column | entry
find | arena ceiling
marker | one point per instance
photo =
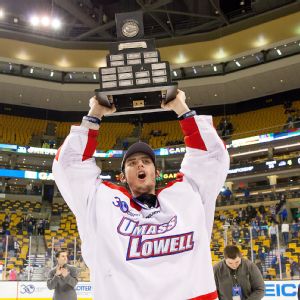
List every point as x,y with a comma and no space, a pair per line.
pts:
89,24
168,20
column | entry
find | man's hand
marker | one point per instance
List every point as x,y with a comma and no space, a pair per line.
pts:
58,271
98,110
65,272
178,105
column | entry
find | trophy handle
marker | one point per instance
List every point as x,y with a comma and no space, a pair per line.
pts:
103,100
170,93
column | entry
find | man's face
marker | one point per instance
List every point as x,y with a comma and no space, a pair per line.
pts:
139,173
62,259
233,263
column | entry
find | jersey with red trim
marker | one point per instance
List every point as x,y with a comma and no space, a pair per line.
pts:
136,253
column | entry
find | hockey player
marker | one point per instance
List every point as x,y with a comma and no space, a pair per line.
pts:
140,243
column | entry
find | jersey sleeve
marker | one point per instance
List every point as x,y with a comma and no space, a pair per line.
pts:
206,162
75,170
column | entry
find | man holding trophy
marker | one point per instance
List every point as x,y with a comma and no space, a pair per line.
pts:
139,242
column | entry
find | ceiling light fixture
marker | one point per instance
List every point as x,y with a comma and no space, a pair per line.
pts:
1,13
45,21
31,70
51,74
215,69
94,76
237,63
278,51
34,21
56,24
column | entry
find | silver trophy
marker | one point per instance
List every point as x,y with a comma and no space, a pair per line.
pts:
135,79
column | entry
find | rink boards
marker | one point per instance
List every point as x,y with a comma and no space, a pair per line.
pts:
28,290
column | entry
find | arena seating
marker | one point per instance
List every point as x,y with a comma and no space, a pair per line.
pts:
15,205
19,130
108,136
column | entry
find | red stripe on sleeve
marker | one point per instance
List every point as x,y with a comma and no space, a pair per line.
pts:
90,145
210,296
57,153
192,136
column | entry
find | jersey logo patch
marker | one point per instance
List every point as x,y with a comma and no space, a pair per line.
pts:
122,204
140,247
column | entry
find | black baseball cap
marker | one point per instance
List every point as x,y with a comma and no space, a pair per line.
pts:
135,148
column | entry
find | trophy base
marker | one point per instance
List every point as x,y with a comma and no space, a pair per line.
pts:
137,100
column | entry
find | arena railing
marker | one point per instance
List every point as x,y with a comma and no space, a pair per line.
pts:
276,254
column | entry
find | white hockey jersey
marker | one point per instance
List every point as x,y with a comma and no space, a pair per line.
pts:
146,254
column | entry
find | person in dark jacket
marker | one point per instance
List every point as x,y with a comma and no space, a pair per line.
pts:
63,278
238,278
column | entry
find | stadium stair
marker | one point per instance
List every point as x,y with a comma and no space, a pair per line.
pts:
38,263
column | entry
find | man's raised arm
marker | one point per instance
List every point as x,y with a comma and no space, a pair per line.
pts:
75,170
206,162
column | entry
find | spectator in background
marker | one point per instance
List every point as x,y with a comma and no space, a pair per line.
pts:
295,230
235,233
280,204
28,188
125,144
30,228
262,209
12,275
262,254
285,230
240,214
238,277
5,227
295,268
40,227
255,228
263,225
227,193
22,275
283,214
259,266
225,127
290,121
246,193
273,234
19,227
7,218
16,246
273,213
